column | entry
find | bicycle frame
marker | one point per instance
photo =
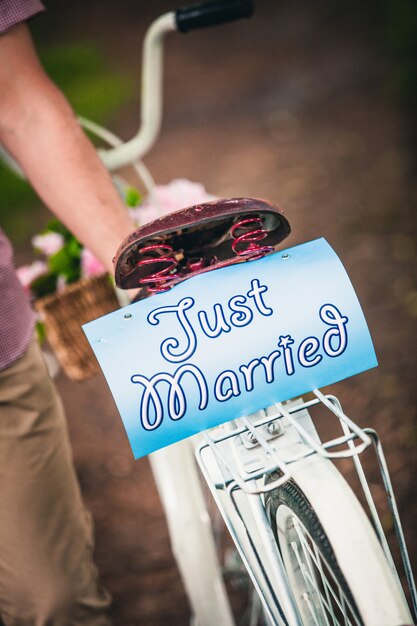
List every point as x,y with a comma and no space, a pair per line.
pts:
235,458
233,461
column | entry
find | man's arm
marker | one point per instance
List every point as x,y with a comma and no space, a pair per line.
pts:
38,127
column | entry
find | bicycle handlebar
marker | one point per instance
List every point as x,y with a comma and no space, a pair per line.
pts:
197,16
211,13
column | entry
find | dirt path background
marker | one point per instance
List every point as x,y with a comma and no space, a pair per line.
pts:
294,106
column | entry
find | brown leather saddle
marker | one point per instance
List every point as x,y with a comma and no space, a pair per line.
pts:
198,239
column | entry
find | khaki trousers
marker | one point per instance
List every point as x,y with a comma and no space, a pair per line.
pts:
47,576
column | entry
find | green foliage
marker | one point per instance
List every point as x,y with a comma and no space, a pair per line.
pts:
65,263
14,190
132,197
16,198
80,70
40,331
55,226
401,25
401,39
44,285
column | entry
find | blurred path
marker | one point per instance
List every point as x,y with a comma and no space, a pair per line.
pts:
293,106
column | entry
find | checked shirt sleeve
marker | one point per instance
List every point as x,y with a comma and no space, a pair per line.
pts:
13,12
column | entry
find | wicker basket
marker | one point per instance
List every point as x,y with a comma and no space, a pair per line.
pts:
63,314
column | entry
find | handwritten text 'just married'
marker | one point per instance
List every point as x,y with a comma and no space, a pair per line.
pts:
239,312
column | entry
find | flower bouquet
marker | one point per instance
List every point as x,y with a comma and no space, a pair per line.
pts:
68,285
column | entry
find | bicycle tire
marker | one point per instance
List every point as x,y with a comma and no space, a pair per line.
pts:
335,565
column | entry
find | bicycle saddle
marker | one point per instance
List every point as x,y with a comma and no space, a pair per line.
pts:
198,239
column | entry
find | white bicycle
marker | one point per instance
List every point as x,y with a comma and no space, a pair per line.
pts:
314,556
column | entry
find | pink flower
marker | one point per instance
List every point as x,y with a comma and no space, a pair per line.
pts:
49,243
164,199
27,273
90,266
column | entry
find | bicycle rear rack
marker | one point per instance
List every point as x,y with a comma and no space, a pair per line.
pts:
252,455
262,430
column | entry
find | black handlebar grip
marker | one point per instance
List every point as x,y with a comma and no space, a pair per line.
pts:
212,13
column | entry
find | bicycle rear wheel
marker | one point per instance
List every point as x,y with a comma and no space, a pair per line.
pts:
335,565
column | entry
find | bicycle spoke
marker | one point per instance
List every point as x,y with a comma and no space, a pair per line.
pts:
323,581
325,599
307,581
307,578
307,556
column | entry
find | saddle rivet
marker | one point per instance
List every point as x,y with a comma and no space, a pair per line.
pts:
285,256
127,316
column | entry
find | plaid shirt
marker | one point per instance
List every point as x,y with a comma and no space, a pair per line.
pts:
16,316
13,12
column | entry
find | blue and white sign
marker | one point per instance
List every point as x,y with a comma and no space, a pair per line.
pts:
230,342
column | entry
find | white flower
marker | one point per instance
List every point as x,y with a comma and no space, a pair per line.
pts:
49,243
61,283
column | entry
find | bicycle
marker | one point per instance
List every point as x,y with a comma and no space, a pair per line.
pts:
277,503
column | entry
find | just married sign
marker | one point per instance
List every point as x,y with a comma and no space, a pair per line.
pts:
230,342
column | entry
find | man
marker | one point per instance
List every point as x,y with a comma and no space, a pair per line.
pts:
46,571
